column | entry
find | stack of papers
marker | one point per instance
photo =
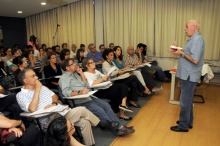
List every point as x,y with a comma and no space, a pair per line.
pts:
138,66
103,85
81,96
58,108
123,76
128,70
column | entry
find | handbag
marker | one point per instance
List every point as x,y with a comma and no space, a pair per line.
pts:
6,136
6,79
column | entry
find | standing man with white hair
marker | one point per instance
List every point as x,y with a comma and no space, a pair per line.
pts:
189,71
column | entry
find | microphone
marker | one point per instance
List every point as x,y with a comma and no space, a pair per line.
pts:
58,25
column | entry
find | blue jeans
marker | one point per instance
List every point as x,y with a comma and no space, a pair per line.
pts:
101,109
159,72
186,103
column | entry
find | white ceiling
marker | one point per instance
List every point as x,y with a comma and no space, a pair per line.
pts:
9,8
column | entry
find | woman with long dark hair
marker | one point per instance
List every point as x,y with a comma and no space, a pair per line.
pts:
132,82
59,133
33,42
51,70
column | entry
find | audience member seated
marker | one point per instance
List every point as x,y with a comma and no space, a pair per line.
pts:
17,133
7,57
64,46
101,48
57,51
132,82
64,54
33,62
154,65
73,51
73,82
21,62
79,57
6,80
82,46
96,56
2,51
9,103
60,132
41,54
52,69
117,93
47,51
119,62
34,96
111,45
44,46
12,67
131,60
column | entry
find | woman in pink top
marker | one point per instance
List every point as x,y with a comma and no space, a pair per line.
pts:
33,42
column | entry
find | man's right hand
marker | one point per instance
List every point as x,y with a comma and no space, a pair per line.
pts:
38,85
84,91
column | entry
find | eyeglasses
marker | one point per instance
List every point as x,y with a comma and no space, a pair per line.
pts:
90,62
71,64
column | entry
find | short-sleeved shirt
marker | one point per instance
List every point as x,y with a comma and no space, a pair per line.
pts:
72,82
96,58
91,77
195,47
130,60
25,97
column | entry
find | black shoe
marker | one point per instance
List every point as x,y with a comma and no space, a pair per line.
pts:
108,125
103,124
178,129
190,127
124,131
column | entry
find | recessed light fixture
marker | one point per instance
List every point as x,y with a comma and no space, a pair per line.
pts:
43,3
19,12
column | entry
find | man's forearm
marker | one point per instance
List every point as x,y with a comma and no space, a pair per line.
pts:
34,103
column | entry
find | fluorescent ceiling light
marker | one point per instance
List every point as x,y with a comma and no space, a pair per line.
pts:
19,12
43,3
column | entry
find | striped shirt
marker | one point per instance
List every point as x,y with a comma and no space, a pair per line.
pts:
25,97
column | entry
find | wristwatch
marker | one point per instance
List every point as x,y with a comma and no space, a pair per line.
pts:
79,92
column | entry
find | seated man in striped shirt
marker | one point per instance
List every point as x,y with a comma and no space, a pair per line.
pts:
34,96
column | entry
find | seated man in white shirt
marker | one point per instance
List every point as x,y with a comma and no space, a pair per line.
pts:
34,96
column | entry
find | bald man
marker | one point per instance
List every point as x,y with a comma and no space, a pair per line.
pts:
131,59
189,71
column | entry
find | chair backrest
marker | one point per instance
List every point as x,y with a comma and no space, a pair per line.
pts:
70,102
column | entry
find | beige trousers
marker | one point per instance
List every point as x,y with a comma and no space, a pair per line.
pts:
83,118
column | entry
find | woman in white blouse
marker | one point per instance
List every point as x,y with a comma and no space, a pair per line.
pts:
117,93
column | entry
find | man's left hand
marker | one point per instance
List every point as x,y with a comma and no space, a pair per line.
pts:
49,105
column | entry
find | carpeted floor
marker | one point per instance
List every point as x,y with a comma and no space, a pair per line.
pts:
104,137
